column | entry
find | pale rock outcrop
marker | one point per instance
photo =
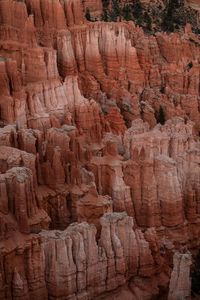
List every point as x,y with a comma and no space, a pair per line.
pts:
109,180
180,282
76,266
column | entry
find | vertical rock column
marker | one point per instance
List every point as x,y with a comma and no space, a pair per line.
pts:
180,283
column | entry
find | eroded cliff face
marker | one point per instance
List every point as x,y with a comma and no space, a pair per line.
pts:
96,197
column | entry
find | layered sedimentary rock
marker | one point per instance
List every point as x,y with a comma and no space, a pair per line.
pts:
157,161
194,4
180,285
79,267
83,158
22,268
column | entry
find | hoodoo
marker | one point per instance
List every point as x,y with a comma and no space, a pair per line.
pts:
99,150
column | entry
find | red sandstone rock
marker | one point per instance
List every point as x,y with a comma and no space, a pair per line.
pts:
99,267
92,207
22,274
69,92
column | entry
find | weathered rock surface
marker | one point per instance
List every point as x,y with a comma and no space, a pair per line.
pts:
22,268
79,267
84,160
180,283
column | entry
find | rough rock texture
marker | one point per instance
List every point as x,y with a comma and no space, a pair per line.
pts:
22,268
99,155
194,4
79,267
180,285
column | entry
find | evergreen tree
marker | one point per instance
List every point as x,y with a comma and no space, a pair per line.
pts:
116,7
105,15
127,13
148,21
115,11
137,9
170,22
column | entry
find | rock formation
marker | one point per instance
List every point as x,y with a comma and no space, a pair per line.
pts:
99,155
180,285
79,267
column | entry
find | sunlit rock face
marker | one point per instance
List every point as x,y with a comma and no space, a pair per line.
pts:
193,4
99,155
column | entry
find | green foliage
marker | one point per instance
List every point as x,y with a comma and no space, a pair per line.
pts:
148,21
170,18
116,7
115,12
170,21
87,14
137,9
112,16
105,15
126,12
196,30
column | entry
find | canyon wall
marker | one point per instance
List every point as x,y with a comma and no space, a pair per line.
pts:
99,155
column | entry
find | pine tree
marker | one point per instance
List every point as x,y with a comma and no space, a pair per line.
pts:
127,13
116,8
137,9
148,21
115,12
105,15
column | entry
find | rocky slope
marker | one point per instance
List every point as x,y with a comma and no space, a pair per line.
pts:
99,155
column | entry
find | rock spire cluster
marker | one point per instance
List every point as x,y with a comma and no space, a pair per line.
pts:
97,197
